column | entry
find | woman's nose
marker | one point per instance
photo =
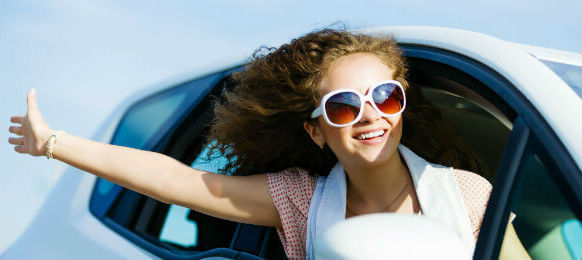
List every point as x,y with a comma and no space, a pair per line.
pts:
369,114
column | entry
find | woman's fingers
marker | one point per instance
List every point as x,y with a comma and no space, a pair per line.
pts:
15,130
19,149
33,131
17,119
16,141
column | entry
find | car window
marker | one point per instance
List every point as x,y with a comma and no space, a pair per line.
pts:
479,129
478,120
136,129
173,122
178,228
217,161
545,223
165,229
145,123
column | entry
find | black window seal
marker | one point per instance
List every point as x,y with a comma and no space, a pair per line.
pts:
493,226
167,253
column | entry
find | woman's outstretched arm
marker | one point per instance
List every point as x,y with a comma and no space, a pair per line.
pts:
238,198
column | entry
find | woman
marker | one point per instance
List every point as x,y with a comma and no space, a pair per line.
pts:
323,116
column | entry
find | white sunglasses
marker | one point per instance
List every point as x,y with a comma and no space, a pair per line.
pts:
344,107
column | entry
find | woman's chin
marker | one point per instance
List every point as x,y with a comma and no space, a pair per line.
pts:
375,156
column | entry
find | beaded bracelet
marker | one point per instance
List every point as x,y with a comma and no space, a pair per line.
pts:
51,143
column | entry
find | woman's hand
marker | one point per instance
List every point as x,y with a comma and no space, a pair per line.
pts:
32,127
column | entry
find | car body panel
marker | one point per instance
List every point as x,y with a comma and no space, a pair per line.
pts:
64,227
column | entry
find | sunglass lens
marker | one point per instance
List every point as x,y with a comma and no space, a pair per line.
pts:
342,108
388,98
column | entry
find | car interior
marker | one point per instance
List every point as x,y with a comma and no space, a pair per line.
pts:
545,223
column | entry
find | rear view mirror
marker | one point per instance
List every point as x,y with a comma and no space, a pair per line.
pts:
390,236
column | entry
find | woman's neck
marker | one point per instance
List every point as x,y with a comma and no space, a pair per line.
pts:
378,189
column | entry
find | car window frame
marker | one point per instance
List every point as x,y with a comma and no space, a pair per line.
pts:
100,204
528,121
155,143
252,241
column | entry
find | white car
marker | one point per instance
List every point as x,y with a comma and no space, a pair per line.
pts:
519,107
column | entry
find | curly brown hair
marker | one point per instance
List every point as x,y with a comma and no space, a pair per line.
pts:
259,125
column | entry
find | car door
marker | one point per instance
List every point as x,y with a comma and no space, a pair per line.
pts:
532,171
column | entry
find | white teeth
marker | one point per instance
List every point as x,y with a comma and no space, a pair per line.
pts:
371,134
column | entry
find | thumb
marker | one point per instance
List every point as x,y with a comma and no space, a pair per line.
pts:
31,100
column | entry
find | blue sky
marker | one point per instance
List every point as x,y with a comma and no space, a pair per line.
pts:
85,57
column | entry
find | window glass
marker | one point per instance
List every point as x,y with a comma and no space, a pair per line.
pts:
217,161
144,119
465,110
545,223
144,123
161,122
481,130
137,128
178,228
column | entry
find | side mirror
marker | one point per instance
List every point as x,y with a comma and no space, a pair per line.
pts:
390,236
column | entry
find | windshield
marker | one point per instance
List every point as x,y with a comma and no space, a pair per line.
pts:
571,74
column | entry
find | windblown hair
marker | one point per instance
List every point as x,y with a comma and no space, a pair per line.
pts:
258,126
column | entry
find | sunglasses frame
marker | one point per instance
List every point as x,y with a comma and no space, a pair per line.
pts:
320,110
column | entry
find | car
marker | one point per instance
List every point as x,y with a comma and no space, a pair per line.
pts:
519,107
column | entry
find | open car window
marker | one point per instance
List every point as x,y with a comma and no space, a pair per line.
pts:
478,119
174,122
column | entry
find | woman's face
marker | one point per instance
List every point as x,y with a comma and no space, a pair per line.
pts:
359,72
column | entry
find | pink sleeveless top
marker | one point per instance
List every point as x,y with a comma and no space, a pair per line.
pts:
292,189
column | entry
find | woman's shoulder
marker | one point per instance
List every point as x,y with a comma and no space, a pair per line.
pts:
292,176
294,185
475,190
471,180
474,187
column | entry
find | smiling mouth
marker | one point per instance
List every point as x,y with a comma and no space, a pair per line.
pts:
370,135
